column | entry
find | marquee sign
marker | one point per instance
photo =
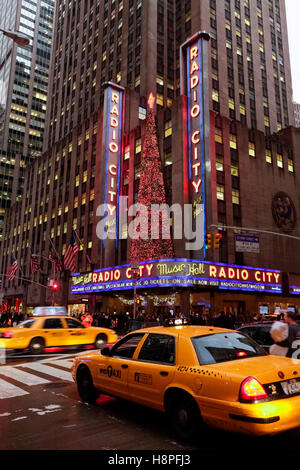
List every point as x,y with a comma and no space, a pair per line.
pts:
294,284
179,273
113,120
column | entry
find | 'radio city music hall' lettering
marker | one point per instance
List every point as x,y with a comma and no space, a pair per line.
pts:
113,117
243,274
194,113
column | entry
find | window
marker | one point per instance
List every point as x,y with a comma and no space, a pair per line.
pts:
219,163
127,152
218,135
158,348
251,149
223,347
235,196
52,323
127,347
72,323
268,155
220,192
290,165
168,128
26,324
138,146
260,334
232,141
234,169
279,160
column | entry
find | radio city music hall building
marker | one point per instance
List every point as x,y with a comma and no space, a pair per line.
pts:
224,138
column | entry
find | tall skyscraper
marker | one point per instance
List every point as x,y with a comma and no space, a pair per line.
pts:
24,75
135,43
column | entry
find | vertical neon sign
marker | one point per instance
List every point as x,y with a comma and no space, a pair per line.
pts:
194,86
113,121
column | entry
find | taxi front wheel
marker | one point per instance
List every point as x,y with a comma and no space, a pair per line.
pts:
88,393
37,345
185,417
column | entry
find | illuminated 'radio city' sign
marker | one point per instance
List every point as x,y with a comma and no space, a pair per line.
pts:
196,146
179,272
194,121
112,148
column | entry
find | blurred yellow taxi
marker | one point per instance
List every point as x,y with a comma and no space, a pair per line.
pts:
38,333
198,375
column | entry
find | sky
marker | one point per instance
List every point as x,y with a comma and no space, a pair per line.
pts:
293,15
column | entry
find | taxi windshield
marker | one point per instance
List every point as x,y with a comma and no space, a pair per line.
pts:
26,324
224,347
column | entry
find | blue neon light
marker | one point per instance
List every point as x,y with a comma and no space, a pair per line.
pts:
202,142
186,260
106,166
119,169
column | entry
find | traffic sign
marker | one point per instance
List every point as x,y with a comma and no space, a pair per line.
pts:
247,244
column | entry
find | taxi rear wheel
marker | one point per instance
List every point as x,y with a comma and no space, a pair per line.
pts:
184,416
37,345
101,341
88,393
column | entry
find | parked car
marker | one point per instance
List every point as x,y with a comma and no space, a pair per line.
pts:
260,332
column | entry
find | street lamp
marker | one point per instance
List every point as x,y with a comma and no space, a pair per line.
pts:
20,39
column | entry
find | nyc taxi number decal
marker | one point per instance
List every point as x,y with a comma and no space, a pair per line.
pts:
145,379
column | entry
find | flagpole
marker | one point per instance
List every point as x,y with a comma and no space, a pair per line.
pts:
84,249
26,281
54,248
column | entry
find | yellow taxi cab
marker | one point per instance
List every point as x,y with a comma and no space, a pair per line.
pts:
198,375
40,332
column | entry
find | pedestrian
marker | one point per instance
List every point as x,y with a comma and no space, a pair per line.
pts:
294,332
290,345
87,320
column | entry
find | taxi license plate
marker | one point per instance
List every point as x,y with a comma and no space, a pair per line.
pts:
290,387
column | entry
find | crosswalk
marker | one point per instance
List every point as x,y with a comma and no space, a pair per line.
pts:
16,380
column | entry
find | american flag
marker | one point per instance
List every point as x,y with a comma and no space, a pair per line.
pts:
56,263
11,273
70,254
34,263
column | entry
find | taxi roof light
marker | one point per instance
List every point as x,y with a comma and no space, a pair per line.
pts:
176,322
252,389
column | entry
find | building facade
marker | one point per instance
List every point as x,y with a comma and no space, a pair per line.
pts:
122,40
24,74
253,146
297,114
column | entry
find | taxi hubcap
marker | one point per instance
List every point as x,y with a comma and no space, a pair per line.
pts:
183,417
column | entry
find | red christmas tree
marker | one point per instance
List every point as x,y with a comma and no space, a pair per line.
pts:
151,191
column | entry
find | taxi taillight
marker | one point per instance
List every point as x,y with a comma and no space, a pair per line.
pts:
252,390
7,334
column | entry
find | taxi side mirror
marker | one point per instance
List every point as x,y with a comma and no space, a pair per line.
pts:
105,352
